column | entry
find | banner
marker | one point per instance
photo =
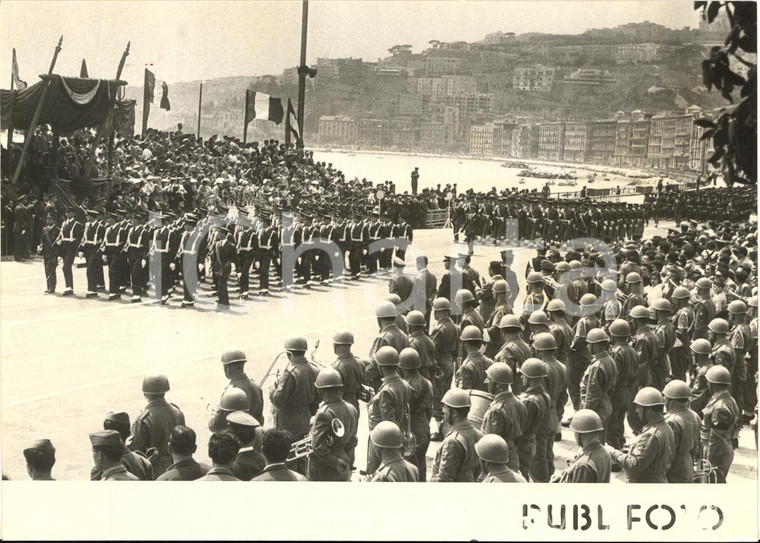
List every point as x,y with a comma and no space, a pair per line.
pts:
291,126
18,83
262,106
165,97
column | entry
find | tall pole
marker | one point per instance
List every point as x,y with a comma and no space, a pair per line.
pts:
245,119
302,67
9,143
37,112
200,101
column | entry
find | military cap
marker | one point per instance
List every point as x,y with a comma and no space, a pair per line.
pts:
242,418
118,418
398,262
41,445
230,357
107,439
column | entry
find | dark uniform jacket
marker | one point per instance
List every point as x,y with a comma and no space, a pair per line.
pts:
420,342
456,459
390,402
184,470
248,463
397,470
651,456
390,335
505,417
597,384
592,466
295,398
136,463
333,456
505,476
118,473
219,474
685,425
152,429
278,472
445,337
472,373
352,373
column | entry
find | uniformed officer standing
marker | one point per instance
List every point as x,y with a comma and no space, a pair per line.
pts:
107,450
420,406
651,456
472,373
113,247
92,240
600,377
721,422
246,243
159,249
70,238
514,351
137,251
701,351
627,361
593,463
456,459
390,335
493,453
704,308
224,255
445,337
233,363
665,334
268,249
537,404
685,425
421,342
49,251
388,440
333,442
506,415
351,370
491,324
683,321
401,285
152,428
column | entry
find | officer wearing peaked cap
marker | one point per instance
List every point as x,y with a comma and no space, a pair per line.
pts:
249,461
401,284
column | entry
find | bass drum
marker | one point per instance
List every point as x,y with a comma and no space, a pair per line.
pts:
479,403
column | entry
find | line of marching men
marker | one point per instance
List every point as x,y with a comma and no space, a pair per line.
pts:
210,242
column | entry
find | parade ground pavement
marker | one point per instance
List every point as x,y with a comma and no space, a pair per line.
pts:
67,361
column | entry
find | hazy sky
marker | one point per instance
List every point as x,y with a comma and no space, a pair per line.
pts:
186,41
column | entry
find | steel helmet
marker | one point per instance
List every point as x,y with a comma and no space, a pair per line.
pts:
441,304
719,375
639,312
597,335
156,383
704,283
719,326
609,285
501,373
509,321
386,310
562,266
677,390
471,333
343,338
538,317
575,265
681,293
533,367
556,305
409,359
492,448
620,328
415,318
230,357
588,299
737,307
535,277
328,377
500,286
234,399
701,346
586,421
386,356
463,296
296,344
662,304
633,277
395,299
752,302
456,398
387,434
649,396
544,342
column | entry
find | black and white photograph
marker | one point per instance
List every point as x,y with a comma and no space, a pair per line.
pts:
323,242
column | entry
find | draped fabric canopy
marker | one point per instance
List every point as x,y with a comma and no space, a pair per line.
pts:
71,103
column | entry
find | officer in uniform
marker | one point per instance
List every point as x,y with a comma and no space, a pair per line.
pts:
579,356
560,329
456,459
652,454
537,404
721,422
645,345
268,245
91,241
187,258
506,415
70,237
592,465
137,251
685,425
472,373
390,402
417,327
665,334
224,255
390,335
351,370
704,308
600,377
388,440
136,462
333,455
107,450
249,461
152,428
514,351
445,337
401,285
233,363
246,243
683,321
491,324
159,249
627,362
49,250
420,406
493,453
112,248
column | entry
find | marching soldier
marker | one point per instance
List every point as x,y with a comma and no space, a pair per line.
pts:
233,363
627,362
390,335
388,440
685,425
70,237
188,259
420,406
721,422
445,337
493,453
268,248
421,342
49,251
456,459
223,255
593,464
351,370
537,403
91,241
246,243
152,428
651,456
472,373
333,443
514,351
506,415
159,249
137,251
113,250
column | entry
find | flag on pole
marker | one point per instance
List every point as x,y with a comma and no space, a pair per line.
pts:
150,84
165,97
262,106
291,126
83,70
17,81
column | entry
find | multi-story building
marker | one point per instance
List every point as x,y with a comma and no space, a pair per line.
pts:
636,52
601,141
640,132
455,85
588,83
525,141
699,149
468,104
337,129
504,146
575,142
536,78
551,141
442,65
483,139
436,136
623,132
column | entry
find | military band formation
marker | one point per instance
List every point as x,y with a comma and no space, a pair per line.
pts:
652,363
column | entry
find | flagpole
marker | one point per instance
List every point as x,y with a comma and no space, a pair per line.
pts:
302,66
287,123
146,104
29,136
245,119
200,101
10,126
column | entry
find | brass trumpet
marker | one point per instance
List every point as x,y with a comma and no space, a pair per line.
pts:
303,448
211,407
705,472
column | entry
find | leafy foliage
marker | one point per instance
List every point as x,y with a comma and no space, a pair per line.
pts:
734,130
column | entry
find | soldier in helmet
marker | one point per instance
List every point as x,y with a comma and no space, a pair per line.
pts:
351,370
390,402
535,299
651,455
152,428
634,294
333,443
593,464
107,450
421,342
724,354
665,334
388,440
472,373
721,422
136,462
701,352
233,363
626,360
456,459
704,308
40,459
685,425
390,335
580,357
556,386
740,337
750,388
445,337
538,322
493,453
233,399
514,351
645,345
683,321
560,329
420,406
611,307
506,415
491,324
537,404
470,316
